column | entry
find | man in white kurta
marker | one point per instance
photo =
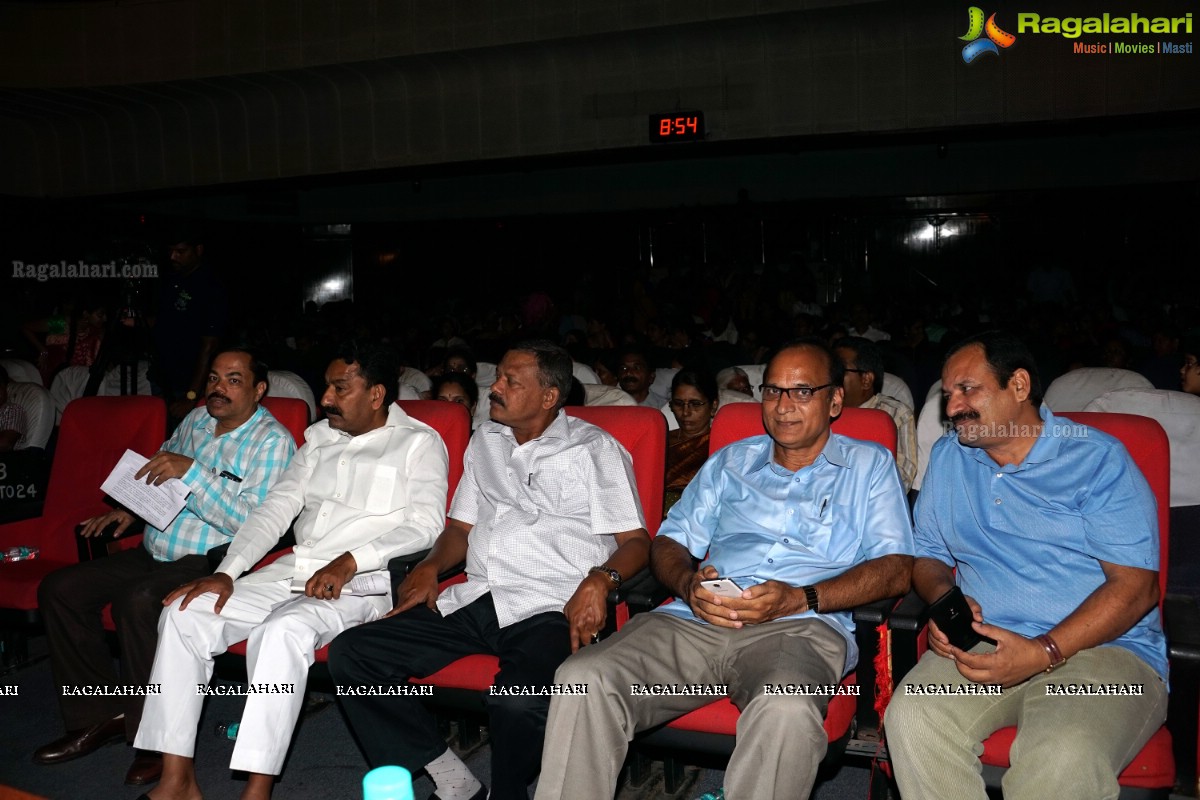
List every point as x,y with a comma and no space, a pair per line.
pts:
369,484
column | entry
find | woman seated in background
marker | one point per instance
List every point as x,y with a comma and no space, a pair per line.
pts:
456,387
694,404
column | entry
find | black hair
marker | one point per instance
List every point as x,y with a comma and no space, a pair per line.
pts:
258,370
465,382
702,380
837,370
867,357
463,352
554,365
377,363
1005,353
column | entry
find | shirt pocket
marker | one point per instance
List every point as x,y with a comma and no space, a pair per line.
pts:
383,490
832,537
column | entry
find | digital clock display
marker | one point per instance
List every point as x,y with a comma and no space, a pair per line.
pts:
679,126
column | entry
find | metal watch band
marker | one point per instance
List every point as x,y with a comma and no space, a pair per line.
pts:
612,574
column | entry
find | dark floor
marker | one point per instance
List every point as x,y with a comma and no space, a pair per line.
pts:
325,763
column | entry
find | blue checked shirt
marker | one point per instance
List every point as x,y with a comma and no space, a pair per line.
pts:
257,451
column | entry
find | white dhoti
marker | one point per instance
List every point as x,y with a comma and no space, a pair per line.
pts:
280,649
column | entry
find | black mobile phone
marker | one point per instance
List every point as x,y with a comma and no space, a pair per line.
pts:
953,617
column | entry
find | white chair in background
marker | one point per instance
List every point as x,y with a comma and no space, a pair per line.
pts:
20,370
1073,390
1179,414
39,412
895,387
601,394
284,383
931,425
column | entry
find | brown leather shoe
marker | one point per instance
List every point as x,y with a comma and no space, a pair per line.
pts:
80,742
146,768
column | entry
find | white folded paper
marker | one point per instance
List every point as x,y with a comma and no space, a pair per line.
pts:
158,505
368,583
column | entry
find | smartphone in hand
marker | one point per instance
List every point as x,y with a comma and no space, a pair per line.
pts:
723,587
954,617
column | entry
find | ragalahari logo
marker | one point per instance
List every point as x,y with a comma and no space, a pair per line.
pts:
976,27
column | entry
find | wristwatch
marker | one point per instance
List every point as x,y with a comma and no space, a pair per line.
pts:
612,574
810,597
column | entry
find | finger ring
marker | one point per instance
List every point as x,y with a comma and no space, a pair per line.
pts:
329,587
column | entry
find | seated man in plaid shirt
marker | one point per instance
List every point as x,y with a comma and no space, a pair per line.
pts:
228,453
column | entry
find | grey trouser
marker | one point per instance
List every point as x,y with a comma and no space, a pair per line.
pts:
780,739
1067,746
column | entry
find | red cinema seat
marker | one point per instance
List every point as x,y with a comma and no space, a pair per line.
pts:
95,432
291,412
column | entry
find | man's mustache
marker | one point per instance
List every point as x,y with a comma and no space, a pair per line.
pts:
495,398
964,416
217,396
331,411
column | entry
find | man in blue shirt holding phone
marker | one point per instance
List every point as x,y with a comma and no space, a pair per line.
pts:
810,525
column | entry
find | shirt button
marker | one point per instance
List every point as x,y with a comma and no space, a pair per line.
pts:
308,543
791,511
343,462
324,513
337,494
999,474
997,501
785,541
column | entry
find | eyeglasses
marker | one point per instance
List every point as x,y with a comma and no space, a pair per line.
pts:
799,394
680,405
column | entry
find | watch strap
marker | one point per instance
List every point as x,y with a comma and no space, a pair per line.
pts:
810,597
611,574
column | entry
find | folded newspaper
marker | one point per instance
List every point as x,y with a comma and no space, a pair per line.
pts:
367,584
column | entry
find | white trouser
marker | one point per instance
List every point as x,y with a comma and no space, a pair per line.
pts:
279,651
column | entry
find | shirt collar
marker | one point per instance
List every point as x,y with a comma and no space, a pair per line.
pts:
559,428
1045,448
834,452
210,423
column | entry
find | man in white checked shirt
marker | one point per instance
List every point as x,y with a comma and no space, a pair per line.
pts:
228,453
548,520
369,484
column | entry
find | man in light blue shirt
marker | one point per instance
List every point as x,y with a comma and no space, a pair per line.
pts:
809,525
1050,530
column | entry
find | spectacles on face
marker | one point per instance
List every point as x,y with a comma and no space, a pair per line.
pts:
799,394
695,405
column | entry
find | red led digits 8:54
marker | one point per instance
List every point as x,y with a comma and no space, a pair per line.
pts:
678,126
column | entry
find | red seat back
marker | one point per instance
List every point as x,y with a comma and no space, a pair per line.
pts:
643,432
1150,449
291,412
453,422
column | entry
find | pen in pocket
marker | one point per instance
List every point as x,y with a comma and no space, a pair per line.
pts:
227,474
